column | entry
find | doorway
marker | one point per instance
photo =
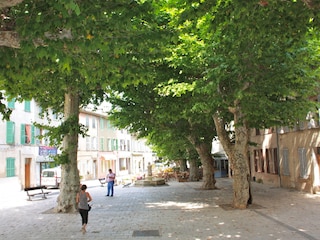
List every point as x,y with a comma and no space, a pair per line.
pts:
27,168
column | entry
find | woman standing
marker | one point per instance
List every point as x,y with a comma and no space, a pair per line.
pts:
83,198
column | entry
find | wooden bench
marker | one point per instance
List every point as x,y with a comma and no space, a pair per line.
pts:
102,181
36,191
126,185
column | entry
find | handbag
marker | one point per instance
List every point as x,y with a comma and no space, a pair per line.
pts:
89,207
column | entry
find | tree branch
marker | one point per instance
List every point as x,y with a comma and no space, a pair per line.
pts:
9,39
9,3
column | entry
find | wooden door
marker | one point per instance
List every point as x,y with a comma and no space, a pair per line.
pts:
27,173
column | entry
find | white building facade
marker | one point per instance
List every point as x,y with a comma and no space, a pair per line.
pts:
24,155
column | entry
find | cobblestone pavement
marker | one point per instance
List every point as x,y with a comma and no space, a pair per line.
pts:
176,211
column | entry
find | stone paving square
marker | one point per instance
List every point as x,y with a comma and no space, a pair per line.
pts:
180,211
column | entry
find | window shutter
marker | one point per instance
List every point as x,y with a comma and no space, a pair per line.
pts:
33,129
101,123
11,103
10,167
303,163
286,169
23,134
27,106
10,133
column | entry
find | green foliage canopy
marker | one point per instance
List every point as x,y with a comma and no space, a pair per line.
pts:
86,45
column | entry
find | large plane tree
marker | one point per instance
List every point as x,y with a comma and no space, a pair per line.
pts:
260,71
67,55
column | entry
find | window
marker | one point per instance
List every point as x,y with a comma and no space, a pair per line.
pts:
48,174
109,144
27,134
258,160
123,162
285,162
38,134
10,132
122,145
87,121
27,106
272,160
88,143
93,123
303,163
258,132
128,145
109,125
101,123
93,143
10,167
102,144
114,144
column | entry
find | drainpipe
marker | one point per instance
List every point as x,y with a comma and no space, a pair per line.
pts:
278,155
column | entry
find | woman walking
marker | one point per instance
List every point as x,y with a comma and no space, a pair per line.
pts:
83,198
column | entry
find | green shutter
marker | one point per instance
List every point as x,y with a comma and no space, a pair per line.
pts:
114,147
116,144
11,103
101,123
10,167
23,134
10,133
33,134
27,106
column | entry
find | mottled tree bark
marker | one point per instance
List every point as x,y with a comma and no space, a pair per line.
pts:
9,39
238,158
70,179
9,3
241,171
183,165
193,171
204,151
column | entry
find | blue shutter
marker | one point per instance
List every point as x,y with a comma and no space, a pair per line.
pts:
10,167
11,103
23,134
10,133
33,135
27,106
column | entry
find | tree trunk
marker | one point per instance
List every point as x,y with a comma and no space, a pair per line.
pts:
183,165
9,3
70,181
193,171
204,151
241,174
238,159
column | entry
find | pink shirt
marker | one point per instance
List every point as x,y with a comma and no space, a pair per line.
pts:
111,177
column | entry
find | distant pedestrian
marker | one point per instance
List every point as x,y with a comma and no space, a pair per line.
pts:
83,198
110,179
